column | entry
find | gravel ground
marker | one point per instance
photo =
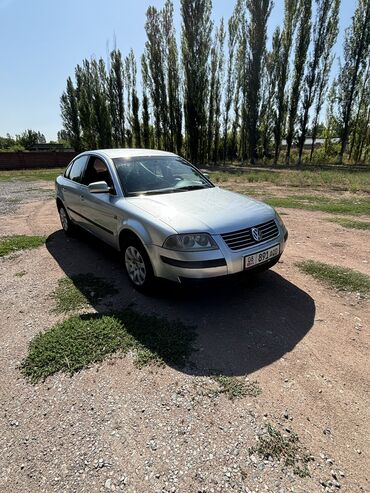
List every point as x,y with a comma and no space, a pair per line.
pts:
113,427
15,193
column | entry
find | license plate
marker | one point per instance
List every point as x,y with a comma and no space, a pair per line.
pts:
260,257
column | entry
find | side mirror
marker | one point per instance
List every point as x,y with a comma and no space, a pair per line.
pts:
99,187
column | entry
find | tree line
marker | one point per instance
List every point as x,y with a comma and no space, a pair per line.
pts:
22,142
222,94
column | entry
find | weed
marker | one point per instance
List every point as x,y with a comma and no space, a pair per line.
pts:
80,291
319,179
11,244
350,223
236,387
323,204
286,448
47,174
336,277
80,341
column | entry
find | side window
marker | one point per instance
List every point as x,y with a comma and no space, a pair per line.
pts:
97,170
77,169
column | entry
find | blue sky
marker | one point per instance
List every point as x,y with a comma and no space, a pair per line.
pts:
41,42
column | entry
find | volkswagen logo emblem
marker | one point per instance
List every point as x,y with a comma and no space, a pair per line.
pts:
257,235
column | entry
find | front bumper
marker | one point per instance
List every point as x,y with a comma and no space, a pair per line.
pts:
179,266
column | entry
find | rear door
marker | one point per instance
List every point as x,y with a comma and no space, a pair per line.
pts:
73,190
99,209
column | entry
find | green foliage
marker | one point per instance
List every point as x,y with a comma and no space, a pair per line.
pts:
300,56
70,117
31,174
350,223
81,291
15,243
81,341
196,45
337,277
116,98
283,448
356,57
265,96
259,12
315,179
283,47
325,32
323,204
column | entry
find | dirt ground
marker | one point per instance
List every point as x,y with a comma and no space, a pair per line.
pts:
114,427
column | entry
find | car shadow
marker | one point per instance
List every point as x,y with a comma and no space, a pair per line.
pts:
242,324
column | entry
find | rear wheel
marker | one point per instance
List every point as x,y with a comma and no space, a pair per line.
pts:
67,225
137,265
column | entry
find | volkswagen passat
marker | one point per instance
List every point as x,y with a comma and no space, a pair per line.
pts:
166,217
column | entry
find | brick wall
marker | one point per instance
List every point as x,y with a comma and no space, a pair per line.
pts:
34,160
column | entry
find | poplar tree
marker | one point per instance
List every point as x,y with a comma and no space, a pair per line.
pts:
268,90
134,135
116,97
259,11
231,77
70,118
145,129
325,31
214,103
302,44
84,94
320,96
360,133
173,79
356,53
283,66
196,43
155,61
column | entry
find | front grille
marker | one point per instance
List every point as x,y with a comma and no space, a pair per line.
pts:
237,240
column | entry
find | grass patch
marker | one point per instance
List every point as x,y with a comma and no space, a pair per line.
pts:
80,341
80,291
236,387
350,223
48,174
325,179
283,448
11,244
336,277
323,204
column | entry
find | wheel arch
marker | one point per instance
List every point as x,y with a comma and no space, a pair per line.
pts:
59,203
127,233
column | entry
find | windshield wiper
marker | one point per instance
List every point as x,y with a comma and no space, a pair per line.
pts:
191,187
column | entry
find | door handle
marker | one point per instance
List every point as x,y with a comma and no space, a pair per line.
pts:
82,198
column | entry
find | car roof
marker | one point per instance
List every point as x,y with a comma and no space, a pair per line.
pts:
128,153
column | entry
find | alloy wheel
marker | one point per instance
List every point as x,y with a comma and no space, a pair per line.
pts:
135,265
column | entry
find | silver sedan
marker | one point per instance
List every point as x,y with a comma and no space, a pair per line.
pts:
166,217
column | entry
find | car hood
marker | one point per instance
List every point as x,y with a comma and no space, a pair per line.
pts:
212,210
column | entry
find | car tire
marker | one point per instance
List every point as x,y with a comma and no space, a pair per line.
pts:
137,265
67,225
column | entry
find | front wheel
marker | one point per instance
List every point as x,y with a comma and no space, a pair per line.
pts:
138,266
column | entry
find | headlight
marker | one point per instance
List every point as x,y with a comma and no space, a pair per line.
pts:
191,242
279,220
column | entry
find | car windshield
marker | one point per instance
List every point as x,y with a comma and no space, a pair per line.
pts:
159,174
